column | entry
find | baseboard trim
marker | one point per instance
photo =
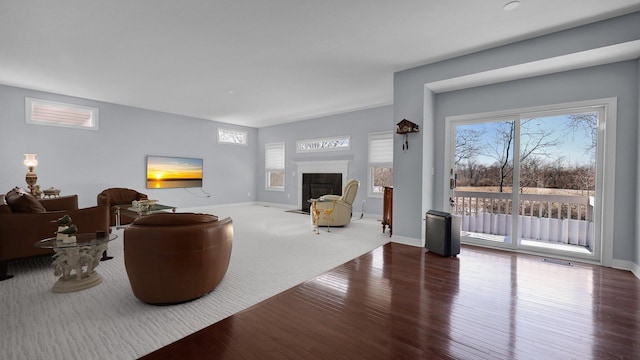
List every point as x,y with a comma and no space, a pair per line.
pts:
628,266
200,207
407,241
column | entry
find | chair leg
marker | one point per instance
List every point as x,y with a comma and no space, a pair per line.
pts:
105,257
4,267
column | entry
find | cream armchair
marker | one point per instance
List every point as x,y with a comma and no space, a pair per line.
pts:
336,210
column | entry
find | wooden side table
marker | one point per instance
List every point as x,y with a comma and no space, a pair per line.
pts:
387,209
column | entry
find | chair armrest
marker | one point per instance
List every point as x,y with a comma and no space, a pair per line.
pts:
324,205
328,198
61,203
103,199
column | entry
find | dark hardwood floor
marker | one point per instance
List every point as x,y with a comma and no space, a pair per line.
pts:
399,302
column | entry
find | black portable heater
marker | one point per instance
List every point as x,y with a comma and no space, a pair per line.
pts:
442,233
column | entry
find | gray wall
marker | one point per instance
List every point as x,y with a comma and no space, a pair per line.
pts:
637,218
615,80
85,162
618,80
357,124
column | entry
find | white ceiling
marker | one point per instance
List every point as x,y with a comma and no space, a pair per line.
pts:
256,62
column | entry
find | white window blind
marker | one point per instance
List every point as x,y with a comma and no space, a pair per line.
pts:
51,113
381,148
274,156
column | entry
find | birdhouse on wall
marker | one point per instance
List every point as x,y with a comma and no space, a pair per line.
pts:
405,127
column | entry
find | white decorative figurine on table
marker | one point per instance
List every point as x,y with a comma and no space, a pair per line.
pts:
76,256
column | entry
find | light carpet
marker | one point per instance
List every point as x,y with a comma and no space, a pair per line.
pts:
273,250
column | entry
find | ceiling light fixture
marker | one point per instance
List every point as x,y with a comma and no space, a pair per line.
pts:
512,5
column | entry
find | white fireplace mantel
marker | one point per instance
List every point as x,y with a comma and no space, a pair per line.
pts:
320,167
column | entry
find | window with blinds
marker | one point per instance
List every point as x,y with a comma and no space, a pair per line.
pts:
51,113
380,162
274,166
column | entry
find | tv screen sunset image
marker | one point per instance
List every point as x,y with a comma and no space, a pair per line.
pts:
173,172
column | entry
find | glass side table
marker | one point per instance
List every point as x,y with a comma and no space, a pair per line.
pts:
317,213
75,263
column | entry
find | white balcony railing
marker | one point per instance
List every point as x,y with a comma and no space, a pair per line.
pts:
562,219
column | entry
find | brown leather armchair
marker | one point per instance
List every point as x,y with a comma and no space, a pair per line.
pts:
123,197
19,231
172,258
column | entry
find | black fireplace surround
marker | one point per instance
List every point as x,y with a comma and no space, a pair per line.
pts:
316,185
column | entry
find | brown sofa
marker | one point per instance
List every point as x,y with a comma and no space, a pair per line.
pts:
24,220
123,197
172,258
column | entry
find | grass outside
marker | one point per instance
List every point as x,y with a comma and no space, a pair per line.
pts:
528,190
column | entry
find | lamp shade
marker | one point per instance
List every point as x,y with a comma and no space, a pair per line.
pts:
30,160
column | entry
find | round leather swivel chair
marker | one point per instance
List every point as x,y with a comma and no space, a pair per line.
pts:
173,258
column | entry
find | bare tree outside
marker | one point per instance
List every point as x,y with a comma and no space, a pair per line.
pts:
536,145
382,176
501,150
468,144
542,164
276,179
586,124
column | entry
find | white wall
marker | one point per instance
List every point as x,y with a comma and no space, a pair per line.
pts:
357,124
85,162
409,102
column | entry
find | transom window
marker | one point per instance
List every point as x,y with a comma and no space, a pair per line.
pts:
52,113
230,136
323,144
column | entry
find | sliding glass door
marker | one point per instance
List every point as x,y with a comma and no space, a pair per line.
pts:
529,180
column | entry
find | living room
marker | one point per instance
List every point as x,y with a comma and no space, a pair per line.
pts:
84,162
115,154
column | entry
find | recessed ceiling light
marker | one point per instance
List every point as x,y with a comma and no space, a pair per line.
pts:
230,92
511,5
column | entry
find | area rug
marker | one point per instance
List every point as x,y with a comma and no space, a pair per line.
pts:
273,250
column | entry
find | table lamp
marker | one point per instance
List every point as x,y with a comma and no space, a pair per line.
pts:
30,162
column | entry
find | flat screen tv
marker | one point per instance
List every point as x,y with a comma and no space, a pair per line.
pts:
173,172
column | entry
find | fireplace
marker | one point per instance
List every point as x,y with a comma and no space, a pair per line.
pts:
319,167
315,185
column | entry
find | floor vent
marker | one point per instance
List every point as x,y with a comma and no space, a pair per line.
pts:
559,262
